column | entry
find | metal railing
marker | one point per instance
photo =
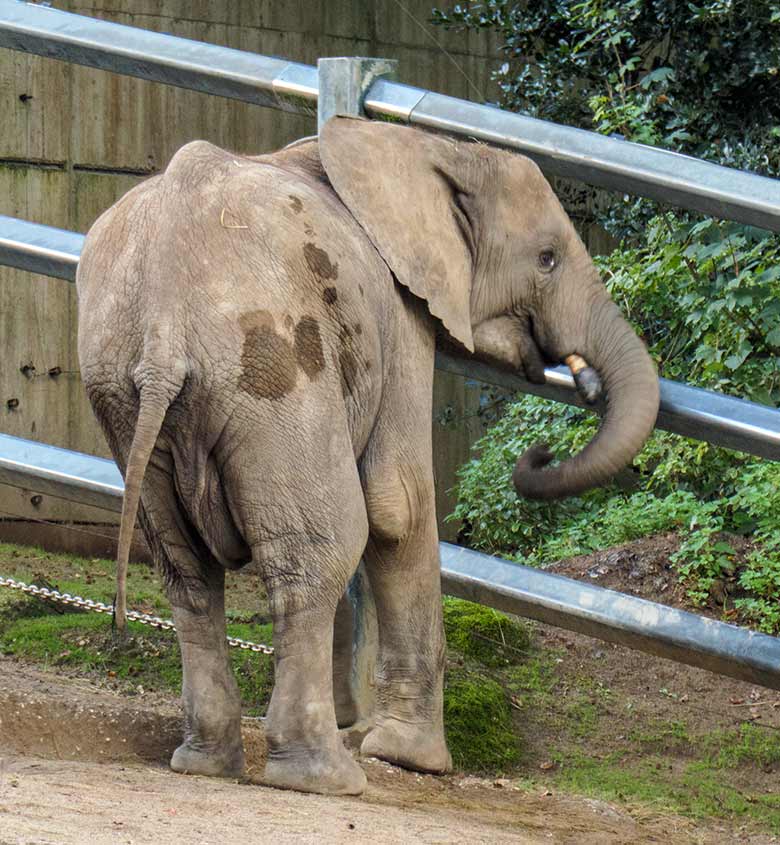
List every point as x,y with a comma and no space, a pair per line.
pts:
588,157
689,411
585,156
497,583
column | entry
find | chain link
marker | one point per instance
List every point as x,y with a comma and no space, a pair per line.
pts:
132,615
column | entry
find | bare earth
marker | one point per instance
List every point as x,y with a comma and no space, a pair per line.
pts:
83,765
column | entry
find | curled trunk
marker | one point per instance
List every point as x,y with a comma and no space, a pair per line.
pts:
631,385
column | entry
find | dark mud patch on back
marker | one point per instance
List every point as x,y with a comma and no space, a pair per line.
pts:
308,347
348,362
260,319
319,262
296,204
330,296
270,361
268,364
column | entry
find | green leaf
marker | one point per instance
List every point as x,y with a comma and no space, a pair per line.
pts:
661,74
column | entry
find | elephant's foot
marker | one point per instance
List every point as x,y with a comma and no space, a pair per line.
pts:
215,762
418,747
329,772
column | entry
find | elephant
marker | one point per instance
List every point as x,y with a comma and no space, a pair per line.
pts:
257,338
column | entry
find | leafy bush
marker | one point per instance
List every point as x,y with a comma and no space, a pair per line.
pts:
641,67
700,78
706,298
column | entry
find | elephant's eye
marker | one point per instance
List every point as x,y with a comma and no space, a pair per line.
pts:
547,260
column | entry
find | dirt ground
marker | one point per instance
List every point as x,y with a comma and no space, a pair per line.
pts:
79,765
665,689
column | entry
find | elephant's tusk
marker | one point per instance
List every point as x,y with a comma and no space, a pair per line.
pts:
586,379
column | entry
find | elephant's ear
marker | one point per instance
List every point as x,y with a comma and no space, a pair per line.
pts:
401,185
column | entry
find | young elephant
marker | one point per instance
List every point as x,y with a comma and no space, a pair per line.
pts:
257,335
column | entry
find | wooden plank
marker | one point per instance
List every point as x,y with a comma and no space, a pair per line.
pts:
35,336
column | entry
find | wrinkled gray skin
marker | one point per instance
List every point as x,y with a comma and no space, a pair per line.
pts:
257,339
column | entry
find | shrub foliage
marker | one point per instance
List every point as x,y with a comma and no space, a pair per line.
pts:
700,78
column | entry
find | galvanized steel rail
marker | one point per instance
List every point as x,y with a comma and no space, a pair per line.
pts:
610,163
39,249
157,57
689,411
611,616
586,156
564,602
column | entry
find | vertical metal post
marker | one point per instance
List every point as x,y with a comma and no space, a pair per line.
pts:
343,83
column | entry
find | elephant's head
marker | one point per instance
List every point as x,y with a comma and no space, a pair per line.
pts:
479,234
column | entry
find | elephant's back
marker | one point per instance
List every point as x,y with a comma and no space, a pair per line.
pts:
268,277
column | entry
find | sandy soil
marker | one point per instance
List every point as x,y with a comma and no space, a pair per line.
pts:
81,763
54,730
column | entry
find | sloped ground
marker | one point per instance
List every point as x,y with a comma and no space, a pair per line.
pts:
85,765
615,746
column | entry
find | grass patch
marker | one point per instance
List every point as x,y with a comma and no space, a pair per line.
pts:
666,737
534,680
89,578
746,745
483,634
699,789
149,660
478,723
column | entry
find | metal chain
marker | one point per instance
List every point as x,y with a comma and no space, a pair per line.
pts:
132,615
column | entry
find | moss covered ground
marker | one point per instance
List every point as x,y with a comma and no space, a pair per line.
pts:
518,705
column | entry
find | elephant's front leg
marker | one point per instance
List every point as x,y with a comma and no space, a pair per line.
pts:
212,707
403,565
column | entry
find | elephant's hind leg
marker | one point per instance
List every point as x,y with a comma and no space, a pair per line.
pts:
306,549
212,709
212,742
305,751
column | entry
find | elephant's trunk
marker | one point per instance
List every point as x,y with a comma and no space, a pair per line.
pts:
631,386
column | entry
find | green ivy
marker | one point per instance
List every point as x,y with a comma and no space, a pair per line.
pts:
706,298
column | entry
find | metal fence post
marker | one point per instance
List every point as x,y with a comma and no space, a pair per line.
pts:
343,83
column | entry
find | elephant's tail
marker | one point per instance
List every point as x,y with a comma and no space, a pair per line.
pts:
153,406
